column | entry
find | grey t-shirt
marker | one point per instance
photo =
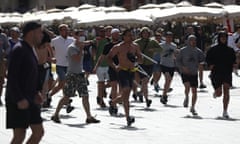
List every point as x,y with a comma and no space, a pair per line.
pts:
190,58
74,66
168,54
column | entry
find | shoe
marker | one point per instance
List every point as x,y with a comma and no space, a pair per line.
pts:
156,87
185,102
134,97
100,102
163,99
47,103
148,102
112,110
151,82
1,103
92,120
170,89
140,97
225,115
130,120
55,119
69,108
193,111
202,86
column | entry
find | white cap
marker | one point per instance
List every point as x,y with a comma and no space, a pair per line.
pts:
114,30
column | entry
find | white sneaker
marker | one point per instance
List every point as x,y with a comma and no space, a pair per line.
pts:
225,115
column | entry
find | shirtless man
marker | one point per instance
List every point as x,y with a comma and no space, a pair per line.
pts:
128,53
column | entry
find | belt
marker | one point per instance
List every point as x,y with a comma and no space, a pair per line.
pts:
129,69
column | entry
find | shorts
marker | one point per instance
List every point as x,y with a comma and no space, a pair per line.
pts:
75,82
61,72
156,68
88,66
18,118
192,79
166,69
126,78
148,69
219,80
113,75
102,74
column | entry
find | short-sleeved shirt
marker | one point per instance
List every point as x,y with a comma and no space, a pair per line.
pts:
167,54
191,58
74,66
60,46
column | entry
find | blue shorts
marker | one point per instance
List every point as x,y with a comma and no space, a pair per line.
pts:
61,72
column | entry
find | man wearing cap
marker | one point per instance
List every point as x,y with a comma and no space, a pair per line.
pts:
23,98
148,47
113,75
101,66
188,60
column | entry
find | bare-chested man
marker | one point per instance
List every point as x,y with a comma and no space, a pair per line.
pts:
128,54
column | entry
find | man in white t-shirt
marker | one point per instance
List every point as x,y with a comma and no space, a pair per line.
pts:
60,45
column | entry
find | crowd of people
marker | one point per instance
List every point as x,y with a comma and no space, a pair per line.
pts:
123,62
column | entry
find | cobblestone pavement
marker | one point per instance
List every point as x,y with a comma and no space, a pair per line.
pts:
159,124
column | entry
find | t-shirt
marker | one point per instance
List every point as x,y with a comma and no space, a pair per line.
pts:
74,66
60,46
167,54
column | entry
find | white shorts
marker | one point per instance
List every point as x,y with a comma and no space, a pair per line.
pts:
102,74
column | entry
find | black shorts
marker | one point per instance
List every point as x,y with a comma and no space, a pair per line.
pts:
166,69
148,69
113,75
218,80
192,79
126,78
17,118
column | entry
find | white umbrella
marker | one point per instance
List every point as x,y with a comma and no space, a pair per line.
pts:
149,6
114,9
115,18
166,5
214,5
232,11
184,4
86,6
187,12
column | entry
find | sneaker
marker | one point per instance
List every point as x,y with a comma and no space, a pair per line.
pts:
185,102
151,82
112,110
202,86
55,119
163,99
148,102
47,103
1,103
100,102
140,97
92,120
69,108
134,97
156,87
193,111
130,120
225,115
170,89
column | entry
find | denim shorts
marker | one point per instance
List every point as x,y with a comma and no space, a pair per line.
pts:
61,72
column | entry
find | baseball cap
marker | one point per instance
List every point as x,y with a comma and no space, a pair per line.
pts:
115,30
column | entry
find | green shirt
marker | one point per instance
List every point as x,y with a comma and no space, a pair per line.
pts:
148,47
